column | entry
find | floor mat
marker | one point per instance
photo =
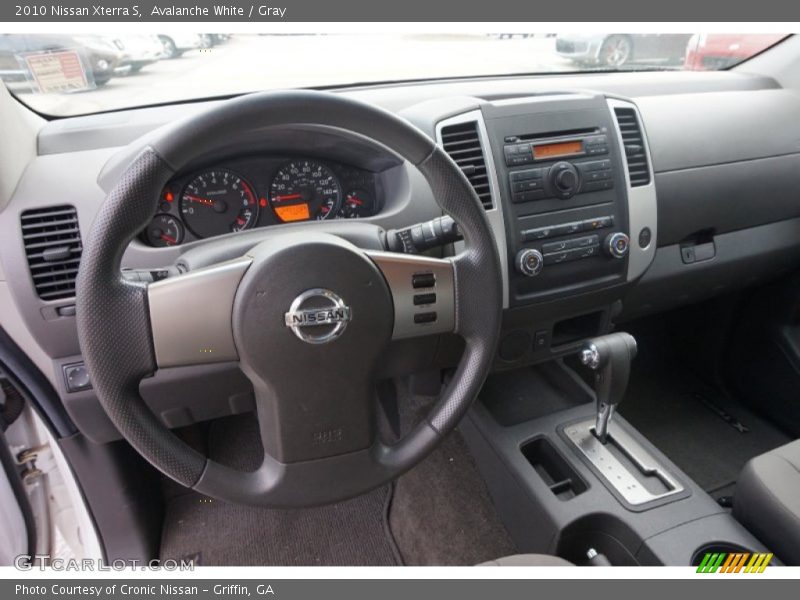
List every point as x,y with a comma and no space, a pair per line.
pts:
216,533
694,424
441,511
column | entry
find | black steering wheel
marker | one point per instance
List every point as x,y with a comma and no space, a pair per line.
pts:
298,299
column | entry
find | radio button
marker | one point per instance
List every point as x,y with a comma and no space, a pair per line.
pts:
567,228
555,247
515,160
597,186
595,150
595,165
541,233
564,179
598,223
598,175
556,258
585,242
525,175
527,186
528,196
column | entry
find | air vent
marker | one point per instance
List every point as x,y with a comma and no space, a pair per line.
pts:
463,144
633,141
53,247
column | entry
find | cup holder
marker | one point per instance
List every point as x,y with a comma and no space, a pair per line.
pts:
717,548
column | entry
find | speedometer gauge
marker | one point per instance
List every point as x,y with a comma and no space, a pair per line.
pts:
303,190
218,201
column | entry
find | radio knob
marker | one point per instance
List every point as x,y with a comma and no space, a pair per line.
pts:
565,179
617,245
529,262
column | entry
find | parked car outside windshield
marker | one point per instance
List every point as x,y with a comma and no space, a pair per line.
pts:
169,67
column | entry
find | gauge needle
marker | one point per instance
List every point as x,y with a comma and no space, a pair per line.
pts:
287,197
168,239
354,200
205,201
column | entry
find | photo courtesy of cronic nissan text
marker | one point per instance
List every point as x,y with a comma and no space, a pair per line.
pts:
387,300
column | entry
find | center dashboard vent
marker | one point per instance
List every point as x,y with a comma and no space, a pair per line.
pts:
633,141
53,247
463,143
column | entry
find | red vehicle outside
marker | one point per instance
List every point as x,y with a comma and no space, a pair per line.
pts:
715,51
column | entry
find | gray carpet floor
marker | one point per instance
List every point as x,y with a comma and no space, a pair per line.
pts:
217,533
678,413
439,513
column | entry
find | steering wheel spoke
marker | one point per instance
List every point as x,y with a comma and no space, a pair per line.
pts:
191,315
423,293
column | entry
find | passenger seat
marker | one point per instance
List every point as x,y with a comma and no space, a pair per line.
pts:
767,501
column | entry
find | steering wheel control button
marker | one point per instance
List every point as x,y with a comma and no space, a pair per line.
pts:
424,318
529,262
76,378
317,316
423,280
617,245
424,299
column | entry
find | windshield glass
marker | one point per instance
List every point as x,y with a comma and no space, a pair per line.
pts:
65,75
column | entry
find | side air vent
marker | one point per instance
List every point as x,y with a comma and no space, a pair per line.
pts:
463,144
634,146
53,247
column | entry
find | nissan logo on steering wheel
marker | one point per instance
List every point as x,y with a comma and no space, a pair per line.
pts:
318,316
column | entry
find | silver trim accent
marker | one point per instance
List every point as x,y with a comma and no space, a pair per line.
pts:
522,262
612,470
590,356
399,270
611,244
494,214
642,201
338,315
191,315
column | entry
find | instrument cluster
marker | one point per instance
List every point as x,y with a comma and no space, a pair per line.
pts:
259,192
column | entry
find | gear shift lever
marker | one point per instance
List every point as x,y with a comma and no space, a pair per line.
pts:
609,356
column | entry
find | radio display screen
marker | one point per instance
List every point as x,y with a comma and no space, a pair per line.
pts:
557,149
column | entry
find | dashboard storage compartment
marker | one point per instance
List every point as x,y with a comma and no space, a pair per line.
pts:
554,470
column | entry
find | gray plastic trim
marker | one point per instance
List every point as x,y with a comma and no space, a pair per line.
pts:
494,214
642,201
399,270
191,315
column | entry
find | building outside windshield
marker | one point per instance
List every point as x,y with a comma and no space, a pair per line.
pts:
66,75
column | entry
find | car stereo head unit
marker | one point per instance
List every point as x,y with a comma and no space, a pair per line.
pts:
521,151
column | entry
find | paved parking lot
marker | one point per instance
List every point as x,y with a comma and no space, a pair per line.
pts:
255,62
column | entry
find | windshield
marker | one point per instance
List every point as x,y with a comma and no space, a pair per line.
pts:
63,75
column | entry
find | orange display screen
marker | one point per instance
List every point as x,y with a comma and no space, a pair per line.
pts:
559,149
293,212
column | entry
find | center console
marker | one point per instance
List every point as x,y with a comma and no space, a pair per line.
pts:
571,478
568,186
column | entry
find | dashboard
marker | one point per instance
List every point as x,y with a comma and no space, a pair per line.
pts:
656,191
260,191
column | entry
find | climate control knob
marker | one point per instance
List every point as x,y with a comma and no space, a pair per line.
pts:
564,179
529,262
617,245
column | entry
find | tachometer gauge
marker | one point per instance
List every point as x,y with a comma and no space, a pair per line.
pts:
164,230
357,203
303,190
218,201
